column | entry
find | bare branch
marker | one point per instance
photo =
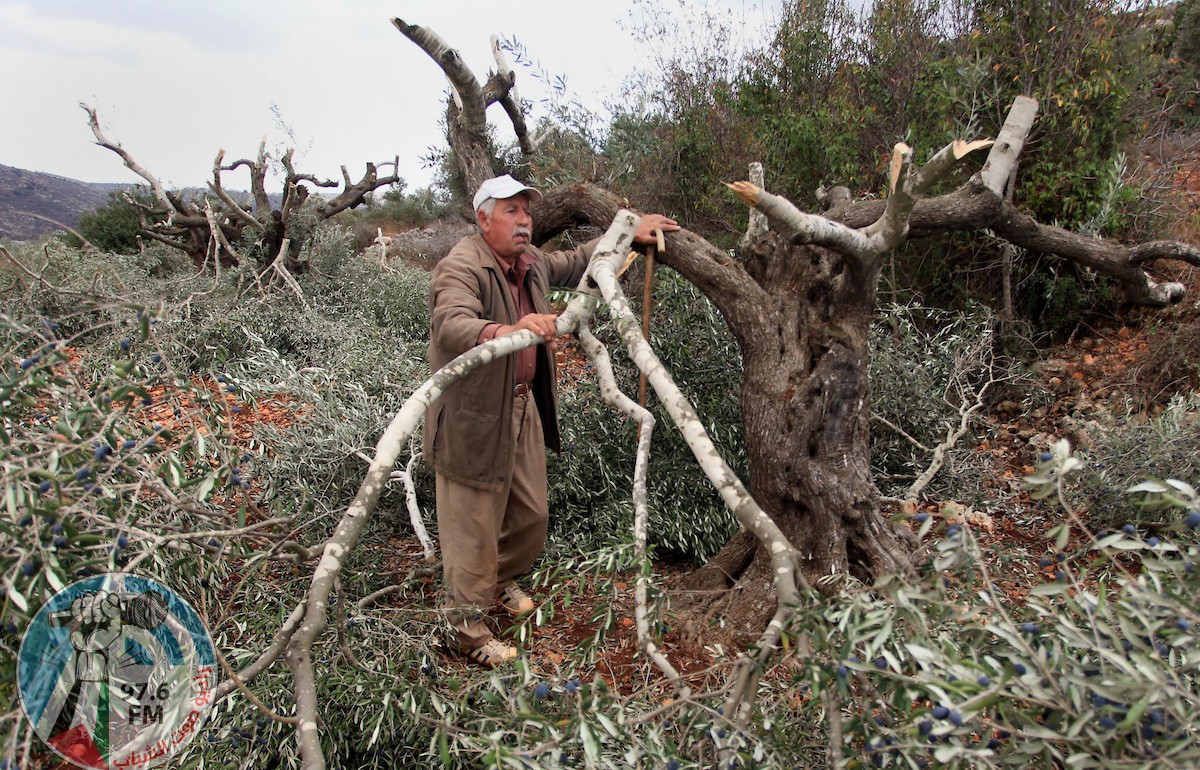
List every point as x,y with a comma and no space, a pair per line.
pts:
1121,262
966,413
786,576
279,267
414,510
797,227
355,194
463,82
234,208
240,684
258,179
908,185
610,391
159,192
757,226
350,527
282,637
996,171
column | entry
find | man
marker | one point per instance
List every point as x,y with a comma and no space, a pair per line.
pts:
487,434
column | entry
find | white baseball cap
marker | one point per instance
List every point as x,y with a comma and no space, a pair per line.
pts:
503,187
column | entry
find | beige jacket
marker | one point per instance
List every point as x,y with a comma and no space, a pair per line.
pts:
468,430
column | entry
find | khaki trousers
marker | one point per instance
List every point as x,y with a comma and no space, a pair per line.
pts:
489,538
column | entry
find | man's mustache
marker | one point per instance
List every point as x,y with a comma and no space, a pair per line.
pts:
522,230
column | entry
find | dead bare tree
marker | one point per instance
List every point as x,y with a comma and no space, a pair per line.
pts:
226,230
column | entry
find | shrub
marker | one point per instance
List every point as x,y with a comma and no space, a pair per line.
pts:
115,225
1142,448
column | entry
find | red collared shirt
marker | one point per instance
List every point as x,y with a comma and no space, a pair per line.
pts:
527,358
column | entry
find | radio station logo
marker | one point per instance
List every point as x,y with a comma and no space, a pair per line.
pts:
116,671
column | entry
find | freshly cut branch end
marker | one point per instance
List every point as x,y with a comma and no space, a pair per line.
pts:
901,154
962,149
746,191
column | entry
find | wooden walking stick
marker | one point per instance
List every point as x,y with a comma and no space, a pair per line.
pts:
650,252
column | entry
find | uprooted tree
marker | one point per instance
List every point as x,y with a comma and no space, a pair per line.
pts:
224,231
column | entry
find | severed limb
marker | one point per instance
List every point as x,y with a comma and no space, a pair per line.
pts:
160,192
467,93
798,227
279,267
510,100
466,114
784,558
277,647
907,185
414,510
757,224
870,243
611,393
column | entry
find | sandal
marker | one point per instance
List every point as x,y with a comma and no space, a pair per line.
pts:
492,653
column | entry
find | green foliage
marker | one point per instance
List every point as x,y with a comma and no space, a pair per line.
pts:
1108,676
940,670
1180,46
591,482
406,209
125,463
947,672
1155,448
824,98
927,366
115,226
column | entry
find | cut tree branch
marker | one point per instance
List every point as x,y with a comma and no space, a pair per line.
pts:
160,192
387,449
610,391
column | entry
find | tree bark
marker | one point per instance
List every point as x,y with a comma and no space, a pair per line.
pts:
801,319
805,408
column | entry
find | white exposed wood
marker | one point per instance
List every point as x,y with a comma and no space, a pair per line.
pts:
784,558
349,529
798,227
414,510
503,68
612,395
160,193
910,185
996,170
758,224
901,158
231,206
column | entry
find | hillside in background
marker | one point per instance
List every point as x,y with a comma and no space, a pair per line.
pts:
29,200
25,196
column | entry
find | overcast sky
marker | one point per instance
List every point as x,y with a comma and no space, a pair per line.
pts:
174,82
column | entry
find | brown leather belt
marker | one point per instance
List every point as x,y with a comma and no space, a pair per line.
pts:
521,390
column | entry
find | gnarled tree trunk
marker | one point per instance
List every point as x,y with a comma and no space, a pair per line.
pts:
805,409
799,300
